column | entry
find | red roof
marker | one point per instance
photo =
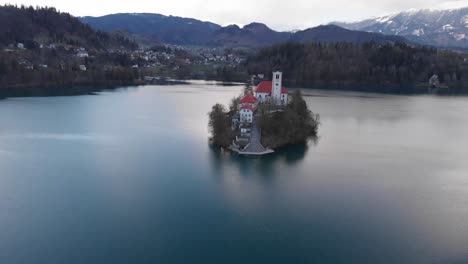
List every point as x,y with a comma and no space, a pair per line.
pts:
266,87
248,107
248,99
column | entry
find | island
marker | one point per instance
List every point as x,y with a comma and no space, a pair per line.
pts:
260,121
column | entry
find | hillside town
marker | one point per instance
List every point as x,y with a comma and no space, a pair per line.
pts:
168,61
161,60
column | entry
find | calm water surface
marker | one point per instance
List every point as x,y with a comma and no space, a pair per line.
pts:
128,177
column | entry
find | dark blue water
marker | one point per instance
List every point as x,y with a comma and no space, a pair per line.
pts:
128,177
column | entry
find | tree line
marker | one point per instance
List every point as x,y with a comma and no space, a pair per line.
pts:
27,24
54,68
392,67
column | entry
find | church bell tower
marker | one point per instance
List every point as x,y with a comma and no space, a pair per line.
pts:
277,85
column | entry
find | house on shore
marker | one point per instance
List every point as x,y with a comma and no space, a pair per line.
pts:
82,53
244,117
434,81
435,86
246,113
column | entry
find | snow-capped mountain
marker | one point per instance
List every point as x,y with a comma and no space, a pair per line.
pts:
444,28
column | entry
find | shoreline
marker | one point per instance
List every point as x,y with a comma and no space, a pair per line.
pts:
51,90
246,153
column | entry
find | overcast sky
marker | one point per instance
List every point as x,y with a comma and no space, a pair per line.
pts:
279,15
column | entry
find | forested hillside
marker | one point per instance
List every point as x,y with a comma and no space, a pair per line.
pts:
47,25
159,28
41,47
392,68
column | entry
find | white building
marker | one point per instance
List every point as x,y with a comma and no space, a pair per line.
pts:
272,91
246,114
434,81
82,54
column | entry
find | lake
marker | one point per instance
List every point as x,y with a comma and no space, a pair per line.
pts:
127,176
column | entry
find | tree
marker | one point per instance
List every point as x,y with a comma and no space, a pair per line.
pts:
3,67
298,105
220,126
234,105
248,88
183,72
293,125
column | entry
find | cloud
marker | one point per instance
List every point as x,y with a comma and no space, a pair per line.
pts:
280,15
453,4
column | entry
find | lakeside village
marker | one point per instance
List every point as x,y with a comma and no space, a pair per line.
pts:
263,119
164,61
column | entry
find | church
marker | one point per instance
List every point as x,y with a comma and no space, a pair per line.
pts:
267,92
272,91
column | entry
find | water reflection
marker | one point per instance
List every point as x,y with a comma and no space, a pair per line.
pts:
460,260
259,165
386,182
48,91
51,91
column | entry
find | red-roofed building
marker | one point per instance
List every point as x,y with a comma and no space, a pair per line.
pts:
272,91
248,100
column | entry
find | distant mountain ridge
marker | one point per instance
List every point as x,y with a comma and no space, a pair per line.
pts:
188,31
333,33
443,28
166,29
254,34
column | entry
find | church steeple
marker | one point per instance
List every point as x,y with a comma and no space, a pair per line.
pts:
277,85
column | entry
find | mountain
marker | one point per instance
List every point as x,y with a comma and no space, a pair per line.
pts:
187,31
252,35
257,35
48,26
333,33
443,28
160,28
